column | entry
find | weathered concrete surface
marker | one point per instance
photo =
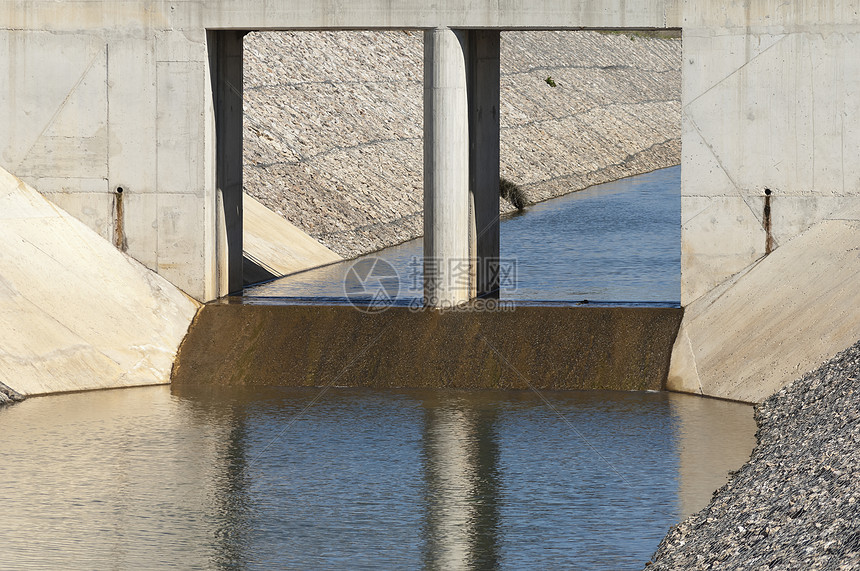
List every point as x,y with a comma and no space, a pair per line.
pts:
541,347
770,102
275,246
796,503
770,132
333,123
775,321
447,212
75,312
101,95
343,14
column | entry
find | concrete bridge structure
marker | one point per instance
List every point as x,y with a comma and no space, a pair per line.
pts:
128,115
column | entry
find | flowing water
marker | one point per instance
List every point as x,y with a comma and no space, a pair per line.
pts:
277,478
615,242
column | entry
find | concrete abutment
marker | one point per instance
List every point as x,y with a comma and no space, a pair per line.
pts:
146,96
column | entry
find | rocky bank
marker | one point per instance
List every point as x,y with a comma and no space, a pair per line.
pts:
8,396
796,503
334,123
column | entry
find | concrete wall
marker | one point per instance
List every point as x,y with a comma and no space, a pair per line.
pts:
771,95
86,110
109,95
273,247
334,14
770,105
75,312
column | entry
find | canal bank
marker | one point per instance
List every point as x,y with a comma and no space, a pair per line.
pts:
333,123
796,503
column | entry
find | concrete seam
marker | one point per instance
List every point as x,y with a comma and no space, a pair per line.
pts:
734,279
333,83
623,162
695,363
530,70
59,110
735,72
608,107
107,113
309,158
711,148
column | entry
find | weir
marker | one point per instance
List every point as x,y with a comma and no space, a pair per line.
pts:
531,347
127,115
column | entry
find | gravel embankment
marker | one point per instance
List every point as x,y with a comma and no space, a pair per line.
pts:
8,396
796,503
334,123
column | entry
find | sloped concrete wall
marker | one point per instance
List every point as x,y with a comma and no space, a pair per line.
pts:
75,312
770,133
273,247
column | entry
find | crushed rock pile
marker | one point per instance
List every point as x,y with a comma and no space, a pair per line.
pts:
796,503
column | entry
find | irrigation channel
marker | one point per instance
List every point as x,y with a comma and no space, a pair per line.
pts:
275,477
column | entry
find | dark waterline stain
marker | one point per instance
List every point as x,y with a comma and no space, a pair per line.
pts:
766,218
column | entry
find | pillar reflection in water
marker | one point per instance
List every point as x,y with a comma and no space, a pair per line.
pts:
461,455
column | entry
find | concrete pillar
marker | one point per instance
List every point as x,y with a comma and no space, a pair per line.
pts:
461,164
483,70
225,60
446,168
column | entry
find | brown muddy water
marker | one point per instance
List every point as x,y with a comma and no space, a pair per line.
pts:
277,478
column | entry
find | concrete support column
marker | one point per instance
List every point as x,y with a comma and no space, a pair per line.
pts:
446,168
225,60
461,164
484,76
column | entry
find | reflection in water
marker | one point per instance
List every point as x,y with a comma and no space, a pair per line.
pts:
714,434
232,504
246,478
460,465
123,479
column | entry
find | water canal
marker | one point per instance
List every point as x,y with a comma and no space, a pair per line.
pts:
615,242
271,477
